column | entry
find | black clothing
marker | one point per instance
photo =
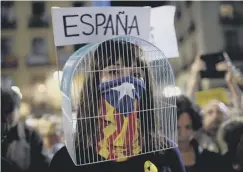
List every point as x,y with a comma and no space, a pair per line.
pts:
206,161
29,148
228,161
6,166
192,168
166,161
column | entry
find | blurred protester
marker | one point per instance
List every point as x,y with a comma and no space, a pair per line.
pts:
21,146
195,78
196,159
215,112
51,136
231,132
52,144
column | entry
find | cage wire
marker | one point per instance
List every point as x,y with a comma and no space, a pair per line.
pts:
112,101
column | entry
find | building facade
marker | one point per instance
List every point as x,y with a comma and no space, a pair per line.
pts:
28,55
208,27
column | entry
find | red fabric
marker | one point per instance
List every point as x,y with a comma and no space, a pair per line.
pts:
119,120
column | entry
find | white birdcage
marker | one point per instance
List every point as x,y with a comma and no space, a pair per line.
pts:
112,101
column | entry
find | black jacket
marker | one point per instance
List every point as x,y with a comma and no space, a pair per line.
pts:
8,166
33,144
207,161
168,161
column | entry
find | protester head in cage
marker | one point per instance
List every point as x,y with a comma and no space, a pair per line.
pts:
116,106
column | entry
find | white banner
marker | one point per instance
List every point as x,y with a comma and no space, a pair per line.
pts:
80,25
163,33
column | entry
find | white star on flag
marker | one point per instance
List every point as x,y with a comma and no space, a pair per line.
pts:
125,89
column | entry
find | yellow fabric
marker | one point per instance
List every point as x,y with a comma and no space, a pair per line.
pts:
108,131
150,167
119,141
205,96
110,110
104,152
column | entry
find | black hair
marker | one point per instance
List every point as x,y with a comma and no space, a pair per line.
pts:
239,152
185,105
9,101
232,134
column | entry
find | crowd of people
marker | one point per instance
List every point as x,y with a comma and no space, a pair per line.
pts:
210,138
26,146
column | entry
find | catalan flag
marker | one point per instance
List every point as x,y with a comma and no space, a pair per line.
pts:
120,103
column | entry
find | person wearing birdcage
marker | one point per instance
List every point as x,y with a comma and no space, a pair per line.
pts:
122,124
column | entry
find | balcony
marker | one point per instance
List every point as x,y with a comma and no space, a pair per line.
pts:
9,61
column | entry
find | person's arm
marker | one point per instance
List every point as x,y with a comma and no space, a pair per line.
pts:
234,90
231,82
232,85
194,77
193,84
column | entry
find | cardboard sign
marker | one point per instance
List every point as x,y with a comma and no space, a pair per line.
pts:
203,97
163,33
80,25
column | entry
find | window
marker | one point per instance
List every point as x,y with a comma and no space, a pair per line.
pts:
227,10
101,3
78,4
138,3
231,40
178,13
8,19
6,82
39,52
191,27
229,14
181,39
188,3
8,60
39,17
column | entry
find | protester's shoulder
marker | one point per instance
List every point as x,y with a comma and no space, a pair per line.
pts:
61,160
174,150
209,156
62,154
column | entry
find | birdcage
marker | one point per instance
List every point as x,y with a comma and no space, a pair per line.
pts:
113,103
